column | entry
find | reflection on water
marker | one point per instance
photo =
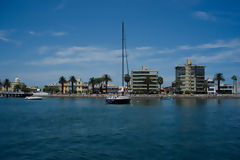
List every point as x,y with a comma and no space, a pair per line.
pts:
88,128
146,102
191,101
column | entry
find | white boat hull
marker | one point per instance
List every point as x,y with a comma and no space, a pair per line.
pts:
118,100
33,98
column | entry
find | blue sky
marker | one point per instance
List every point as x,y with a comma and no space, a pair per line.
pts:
41,40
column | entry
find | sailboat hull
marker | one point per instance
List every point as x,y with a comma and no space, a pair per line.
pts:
118,100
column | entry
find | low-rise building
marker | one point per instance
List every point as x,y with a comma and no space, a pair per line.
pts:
137,80
225,88
13,85
211,89
79,86
236,87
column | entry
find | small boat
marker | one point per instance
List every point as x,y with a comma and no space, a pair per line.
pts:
33,98
118,99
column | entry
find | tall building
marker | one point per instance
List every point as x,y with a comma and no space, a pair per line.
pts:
137,80
191,77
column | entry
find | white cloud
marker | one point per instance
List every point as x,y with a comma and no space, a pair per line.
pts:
47,33
60,5
59,33
204,16
218,57
143,48
32,32
76,50
3,36
234,43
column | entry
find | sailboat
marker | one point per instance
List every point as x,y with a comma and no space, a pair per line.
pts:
120,99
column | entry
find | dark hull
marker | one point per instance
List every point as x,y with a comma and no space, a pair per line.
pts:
118,101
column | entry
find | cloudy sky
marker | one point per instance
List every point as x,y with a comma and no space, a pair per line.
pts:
41,40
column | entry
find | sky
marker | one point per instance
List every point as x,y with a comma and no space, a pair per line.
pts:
42,40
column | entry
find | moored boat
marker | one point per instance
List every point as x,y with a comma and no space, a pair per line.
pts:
118,99
33,98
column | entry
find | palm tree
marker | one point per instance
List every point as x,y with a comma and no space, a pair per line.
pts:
205,86
6,84
99,81
92,81
234,78
0,84
17,87
73,80
148,81
218,77
127,79
106,78
160,82
62,80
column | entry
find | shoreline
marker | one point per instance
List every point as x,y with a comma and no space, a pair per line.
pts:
145,96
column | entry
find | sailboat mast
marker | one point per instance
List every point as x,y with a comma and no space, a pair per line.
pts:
123,54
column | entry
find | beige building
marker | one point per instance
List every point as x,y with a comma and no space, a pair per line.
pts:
12,85
191,77
137,80
79,86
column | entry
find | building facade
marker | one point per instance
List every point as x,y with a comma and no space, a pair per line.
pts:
191,77
13,85
137,83
79,87
211,89
236,87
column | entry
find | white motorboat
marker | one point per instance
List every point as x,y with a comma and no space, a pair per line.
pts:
33,98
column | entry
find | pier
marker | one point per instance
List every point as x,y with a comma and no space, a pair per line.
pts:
15,94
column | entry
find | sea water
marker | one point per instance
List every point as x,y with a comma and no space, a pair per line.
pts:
148,128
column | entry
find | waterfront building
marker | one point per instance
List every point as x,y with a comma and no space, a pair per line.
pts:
191,77
111,88
236,88
211,86
137,80
13,84
225,88
79,86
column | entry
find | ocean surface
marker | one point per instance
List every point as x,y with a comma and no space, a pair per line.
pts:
87,128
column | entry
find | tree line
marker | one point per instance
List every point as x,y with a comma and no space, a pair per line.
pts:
105,79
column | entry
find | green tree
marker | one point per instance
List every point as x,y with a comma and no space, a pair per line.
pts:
0,83
62,80
92,81
106,78
99,81
218,77
160,82
148,81
72,80
6,84
178,85
24,88
205,86
17,88
234,78
50,89
127,79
